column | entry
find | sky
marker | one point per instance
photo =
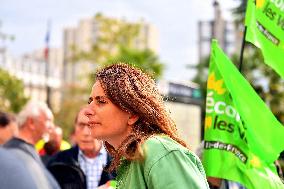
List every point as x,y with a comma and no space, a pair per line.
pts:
176,21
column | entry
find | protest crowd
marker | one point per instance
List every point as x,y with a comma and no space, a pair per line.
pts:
129,150
125,138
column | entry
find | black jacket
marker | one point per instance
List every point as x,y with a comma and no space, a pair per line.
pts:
66,169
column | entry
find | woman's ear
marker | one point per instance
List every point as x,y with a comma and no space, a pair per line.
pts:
132,119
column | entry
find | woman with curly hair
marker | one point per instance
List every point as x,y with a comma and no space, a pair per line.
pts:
126,111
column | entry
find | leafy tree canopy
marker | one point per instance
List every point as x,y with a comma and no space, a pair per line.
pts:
11,92
116,41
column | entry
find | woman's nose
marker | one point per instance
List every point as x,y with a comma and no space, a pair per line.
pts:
88,111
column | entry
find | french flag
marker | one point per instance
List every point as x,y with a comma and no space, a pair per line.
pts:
46,50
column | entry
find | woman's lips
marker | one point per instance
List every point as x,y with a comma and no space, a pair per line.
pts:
93,123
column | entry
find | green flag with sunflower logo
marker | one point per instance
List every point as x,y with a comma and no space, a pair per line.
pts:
242,136
265,29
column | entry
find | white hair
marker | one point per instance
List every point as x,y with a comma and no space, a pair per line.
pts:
58,130
33,109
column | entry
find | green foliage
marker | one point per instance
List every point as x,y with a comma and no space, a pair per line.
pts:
116,42
239,12
74,99
111,35
144,59
11,92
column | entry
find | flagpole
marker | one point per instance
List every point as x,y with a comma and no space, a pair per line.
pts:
242,49
46,57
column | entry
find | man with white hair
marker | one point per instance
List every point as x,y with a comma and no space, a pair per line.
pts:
34,121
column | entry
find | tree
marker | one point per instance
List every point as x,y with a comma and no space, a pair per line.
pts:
75,98
11,92
239,12
111,35
144,59
117,40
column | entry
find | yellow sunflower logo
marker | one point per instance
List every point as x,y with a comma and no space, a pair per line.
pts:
216,85
259,3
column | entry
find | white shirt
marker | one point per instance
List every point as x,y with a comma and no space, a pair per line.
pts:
93,167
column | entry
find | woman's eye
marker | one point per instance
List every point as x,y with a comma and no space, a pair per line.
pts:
101,101
90,100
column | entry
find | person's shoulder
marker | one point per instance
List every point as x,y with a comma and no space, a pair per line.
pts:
20,147
163,144
13,143
5,156
159,146
13,168
72,150
69,156
161,150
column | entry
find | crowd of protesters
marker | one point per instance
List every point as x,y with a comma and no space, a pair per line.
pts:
34,155
124,138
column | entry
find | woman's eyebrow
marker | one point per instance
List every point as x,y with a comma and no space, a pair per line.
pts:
101,97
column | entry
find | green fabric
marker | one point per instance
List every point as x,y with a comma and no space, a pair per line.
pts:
242,136
265,29
166,165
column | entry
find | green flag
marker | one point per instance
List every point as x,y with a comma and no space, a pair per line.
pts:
265,29
242,136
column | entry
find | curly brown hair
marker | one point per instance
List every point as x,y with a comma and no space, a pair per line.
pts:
136,92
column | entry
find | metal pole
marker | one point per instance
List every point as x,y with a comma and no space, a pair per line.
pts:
46,56
47,88
242,49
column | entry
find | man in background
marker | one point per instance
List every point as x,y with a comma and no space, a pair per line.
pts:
55,139
88,157
8,127
33,121
52,146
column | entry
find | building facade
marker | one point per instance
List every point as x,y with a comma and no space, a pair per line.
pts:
61,71
184,101
220,29
31,69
